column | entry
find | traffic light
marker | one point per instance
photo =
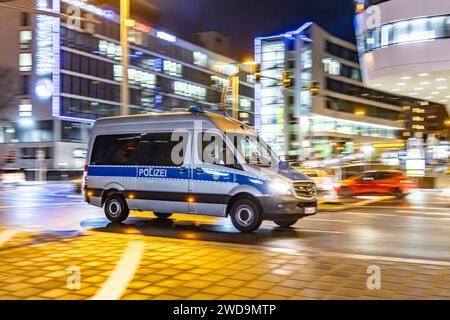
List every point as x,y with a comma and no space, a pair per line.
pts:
287,79
314,88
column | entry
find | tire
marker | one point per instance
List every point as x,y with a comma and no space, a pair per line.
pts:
161,215
285,223
345,192
398,194
116,209
245,215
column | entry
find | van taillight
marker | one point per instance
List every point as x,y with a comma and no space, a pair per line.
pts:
85,174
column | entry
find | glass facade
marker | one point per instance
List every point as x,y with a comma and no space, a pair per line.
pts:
163,75
405,31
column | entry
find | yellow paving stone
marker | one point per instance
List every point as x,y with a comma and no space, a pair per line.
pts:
232,297
217,290
153,278
94,279
169,272
202,296
201,271
183,292
73,297
14,279
283,291
153,290
16,286
258,284
232,283
86,291
212,277
137,284
165,297
169,283
199,284
58,274
187,276
248,292
54,294
28,292
134,296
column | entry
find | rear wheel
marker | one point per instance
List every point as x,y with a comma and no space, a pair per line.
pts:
245,215
161,215
398,194
116,209
286,223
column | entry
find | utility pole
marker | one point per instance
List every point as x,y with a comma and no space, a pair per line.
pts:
124,92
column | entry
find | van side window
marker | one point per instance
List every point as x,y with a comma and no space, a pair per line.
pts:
163,149
212,149
115,150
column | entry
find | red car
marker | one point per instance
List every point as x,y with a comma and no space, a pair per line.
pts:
393,183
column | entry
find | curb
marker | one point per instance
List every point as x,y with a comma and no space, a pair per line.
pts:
356,204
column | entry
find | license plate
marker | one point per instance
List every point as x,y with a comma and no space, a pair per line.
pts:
310,210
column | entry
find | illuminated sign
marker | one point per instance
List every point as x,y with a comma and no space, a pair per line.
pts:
360,6
44,40
166,36
44,88
138,26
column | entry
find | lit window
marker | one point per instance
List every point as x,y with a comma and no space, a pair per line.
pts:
331,66
25,61
25,108
25,39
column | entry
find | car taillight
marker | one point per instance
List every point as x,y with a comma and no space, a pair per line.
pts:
85,179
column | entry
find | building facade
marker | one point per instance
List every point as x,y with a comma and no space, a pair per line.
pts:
403,48
340,116
69,74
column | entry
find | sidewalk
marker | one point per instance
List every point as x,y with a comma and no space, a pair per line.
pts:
38,266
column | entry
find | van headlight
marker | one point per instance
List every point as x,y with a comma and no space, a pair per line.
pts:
280,187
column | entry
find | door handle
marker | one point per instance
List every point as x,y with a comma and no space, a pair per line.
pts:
183,170
199,170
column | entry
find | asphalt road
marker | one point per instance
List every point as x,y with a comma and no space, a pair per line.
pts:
415,228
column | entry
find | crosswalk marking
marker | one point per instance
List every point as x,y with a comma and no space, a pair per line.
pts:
122,275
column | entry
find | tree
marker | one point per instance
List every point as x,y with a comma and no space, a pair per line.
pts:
9,90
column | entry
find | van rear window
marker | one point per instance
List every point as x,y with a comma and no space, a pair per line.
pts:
115,150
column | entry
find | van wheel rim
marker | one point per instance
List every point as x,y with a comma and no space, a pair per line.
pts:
114,208
245,215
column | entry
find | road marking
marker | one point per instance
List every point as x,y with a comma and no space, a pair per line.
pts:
42,206
5,236
320,231
393,215
427,213
414,207
118,281
385,258
329,220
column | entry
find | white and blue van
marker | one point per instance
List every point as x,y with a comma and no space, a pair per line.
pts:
192,162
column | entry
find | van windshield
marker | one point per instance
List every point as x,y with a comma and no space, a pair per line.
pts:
254,150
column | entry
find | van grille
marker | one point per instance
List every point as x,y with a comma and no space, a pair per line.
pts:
305,189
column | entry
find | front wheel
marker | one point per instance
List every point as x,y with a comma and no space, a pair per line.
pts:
399,194
161,215
116,209
245,215
286,223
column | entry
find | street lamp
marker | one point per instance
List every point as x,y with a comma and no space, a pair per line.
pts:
124,21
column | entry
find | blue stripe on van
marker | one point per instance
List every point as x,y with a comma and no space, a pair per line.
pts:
175,173
107,171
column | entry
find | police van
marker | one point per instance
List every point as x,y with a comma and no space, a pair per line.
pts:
193,162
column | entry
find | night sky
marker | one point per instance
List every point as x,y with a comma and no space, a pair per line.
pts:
242,20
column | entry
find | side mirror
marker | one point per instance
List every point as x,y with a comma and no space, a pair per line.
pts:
283,165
